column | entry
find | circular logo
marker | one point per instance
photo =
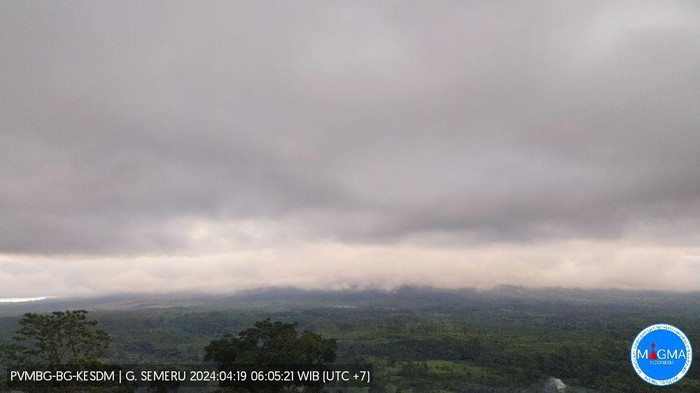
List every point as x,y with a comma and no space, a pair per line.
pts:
661,354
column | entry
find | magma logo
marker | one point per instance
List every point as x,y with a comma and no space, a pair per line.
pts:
661,354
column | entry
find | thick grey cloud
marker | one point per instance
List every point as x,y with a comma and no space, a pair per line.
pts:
122,123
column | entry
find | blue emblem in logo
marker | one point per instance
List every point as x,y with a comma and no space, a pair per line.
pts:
661,354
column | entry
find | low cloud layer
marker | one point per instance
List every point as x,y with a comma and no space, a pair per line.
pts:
138,135
337,266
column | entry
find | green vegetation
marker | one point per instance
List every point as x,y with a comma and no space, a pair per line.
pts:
425,340
59,339
62,337
268,344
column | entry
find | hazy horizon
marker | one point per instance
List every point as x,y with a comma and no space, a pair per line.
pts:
162,147
288,293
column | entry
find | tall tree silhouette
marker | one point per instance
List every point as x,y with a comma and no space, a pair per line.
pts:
62,337
269,345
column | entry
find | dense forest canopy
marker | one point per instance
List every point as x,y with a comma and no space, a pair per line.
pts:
418,340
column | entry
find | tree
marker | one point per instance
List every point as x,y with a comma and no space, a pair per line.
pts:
60,338
269,345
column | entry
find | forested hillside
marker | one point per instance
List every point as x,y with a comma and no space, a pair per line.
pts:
424,340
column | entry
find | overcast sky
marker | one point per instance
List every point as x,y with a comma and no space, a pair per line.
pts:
152,146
